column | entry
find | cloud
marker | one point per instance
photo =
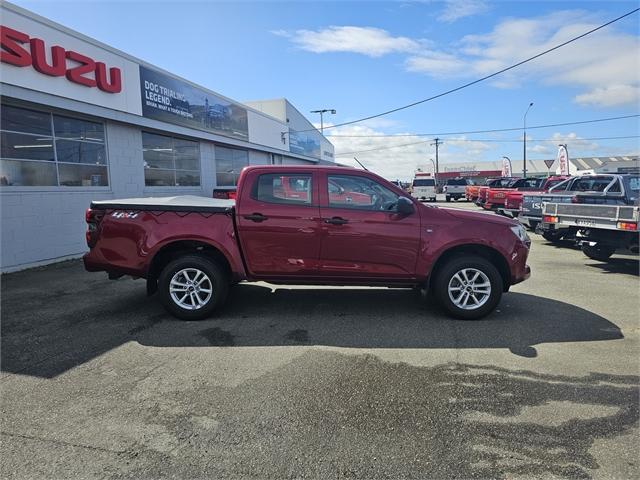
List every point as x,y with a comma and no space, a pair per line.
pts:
610,96
457,9
603,68
577,145
605,63
402,162
370,41
438,64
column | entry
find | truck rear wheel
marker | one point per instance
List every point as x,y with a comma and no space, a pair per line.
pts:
468,287
192,287
598,252
552,235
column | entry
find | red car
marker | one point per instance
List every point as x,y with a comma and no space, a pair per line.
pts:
513,199
190,249
496,196
494,183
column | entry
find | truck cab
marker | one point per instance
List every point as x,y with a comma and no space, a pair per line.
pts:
306,225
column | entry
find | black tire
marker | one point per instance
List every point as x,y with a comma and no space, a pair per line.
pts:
552,235
440,286
598,252
218,278
448,198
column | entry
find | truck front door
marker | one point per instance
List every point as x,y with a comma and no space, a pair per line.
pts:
363,235
278,222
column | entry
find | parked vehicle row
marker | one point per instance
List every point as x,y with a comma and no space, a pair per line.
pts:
598,212
306,225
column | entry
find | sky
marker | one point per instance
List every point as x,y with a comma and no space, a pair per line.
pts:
362,58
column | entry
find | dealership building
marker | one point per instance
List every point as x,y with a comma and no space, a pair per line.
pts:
479,172
82,121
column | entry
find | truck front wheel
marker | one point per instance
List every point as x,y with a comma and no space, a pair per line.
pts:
192,287
597,252
468,287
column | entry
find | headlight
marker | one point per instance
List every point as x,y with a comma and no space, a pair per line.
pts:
520,232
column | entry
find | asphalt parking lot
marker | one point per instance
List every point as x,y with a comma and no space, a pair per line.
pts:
99,382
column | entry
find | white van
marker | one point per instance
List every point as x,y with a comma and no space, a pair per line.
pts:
424,189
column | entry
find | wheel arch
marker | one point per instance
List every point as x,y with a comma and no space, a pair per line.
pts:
175,249
484,251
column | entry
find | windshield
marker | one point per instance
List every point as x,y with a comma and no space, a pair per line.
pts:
424,182
457,181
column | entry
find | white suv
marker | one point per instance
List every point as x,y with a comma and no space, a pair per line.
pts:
424,189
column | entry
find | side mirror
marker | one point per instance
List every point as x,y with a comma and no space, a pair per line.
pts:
405,206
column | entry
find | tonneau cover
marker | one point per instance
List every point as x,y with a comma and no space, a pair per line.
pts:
183,203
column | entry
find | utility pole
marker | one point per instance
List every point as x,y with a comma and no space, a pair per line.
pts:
437,144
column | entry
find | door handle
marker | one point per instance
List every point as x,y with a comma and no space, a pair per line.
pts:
256,217
336,221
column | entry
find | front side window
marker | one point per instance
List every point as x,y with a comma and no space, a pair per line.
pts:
348,191
48,150
288,188
170,161
229,164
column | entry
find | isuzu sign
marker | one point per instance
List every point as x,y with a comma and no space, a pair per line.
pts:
22,51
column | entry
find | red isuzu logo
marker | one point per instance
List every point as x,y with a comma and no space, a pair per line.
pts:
15,54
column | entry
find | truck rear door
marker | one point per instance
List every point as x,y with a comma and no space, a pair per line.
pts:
278,221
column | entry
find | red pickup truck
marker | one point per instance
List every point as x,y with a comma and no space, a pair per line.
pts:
496,196
191,249
513,199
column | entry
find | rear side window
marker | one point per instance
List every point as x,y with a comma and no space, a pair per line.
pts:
287,188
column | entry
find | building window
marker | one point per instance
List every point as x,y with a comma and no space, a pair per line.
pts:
229,164
40,149
170,161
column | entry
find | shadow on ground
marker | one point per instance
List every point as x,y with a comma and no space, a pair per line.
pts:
627,266
330,415
62,317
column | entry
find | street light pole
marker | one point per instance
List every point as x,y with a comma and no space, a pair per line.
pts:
524,142
332,111
434,167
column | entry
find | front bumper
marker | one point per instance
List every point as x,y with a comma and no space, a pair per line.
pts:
520,271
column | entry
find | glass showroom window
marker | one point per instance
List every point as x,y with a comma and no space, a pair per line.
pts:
170,162
41,149
229,164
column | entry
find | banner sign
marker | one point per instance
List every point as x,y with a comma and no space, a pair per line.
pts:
171,100
563,160
303,144
506,167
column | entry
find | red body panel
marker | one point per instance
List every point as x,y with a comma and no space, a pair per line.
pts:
293,243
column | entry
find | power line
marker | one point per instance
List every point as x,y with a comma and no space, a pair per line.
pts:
568,139
495,130
482,79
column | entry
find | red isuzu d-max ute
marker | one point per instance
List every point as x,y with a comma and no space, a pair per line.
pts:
306,225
